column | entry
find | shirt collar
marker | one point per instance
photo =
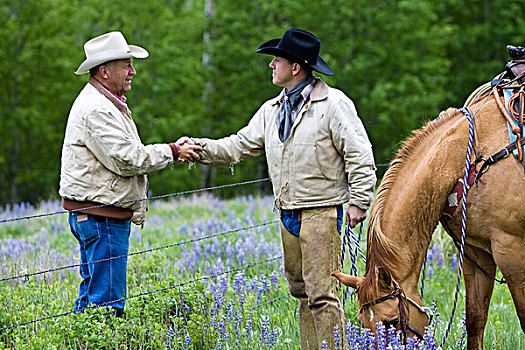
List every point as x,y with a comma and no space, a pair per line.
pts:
319,92
118,101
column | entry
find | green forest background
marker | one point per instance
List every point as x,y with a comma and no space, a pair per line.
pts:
402,62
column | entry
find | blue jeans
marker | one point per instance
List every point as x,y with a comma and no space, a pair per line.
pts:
101,238
292,222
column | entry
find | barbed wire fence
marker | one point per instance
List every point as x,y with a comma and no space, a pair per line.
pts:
26,276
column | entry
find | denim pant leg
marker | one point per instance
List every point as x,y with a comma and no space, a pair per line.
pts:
102,282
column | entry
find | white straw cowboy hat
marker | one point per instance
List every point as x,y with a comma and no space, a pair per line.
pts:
108,47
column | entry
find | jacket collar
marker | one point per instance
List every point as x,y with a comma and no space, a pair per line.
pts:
320,92
121,105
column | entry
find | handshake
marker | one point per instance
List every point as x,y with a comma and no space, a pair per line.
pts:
188,150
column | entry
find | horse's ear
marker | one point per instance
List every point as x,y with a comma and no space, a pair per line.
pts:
384,278
347,280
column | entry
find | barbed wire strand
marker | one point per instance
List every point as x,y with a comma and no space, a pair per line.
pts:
133,201
245,267
268,302
27,275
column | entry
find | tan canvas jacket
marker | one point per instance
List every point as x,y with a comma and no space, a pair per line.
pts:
103,158
327,159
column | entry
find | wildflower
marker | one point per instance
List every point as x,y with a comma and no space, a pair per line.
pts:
324,345
337,338
274,280
462,324
187,342
394,339
381,336
265,333
367,339
249,327
430,271
352,335
170,334
454,262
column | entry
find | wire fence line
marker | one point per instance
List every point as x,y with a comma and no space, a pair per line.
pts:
59,212
29,217
243,268
27,275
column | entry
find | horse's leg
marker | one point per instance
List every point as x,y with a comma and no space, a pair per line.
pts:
479,291
508,253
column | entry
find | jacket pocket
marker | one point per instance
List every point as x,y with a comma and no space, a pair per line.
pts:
325,165
312,164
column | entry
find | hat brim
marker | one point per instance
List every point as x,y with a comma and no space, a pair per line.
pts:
271,48
111,55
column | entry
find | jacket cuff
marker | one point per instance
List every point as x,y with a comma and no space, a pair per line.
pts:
360,205
175,150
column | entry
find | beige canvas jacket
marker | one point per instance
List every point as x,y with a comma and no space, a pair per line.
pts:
103,158
327,159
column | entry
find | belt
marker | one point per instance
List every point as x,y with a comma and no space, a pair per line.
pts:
103,211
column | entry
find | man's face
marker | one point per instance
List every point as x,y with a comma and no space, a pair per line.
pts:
119,75
282,72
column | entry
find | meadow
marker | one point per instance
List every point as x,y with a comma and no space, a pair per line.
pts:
203,273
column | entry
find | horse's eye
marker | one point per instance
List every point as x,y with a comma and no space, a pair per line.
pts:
391,323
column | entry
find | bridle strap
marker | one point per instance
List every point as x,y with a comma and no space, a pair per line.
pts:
392,295
403,317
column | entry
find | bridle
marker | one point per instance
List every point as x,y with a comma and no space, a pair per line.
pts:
403,309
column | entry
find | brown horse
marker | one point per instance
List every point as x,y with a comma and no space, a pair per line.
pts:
409,205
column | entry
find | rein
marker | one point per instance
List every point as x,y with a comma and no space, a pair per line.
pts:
403,309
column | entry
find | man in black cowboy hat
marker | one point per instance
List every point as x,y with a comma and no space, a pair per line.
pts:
319,158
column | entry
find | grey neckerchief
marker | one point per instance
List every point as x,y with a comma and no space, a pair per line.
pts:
290,100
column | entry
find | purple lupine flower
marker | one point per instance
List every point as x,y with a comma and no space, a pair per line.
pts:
394,339
275,335
461,341
170,334
265,330
367,339
249,327
255,283
352,335
412,343
381,336
430,255
187,342
430,271
454,261
337,338
239,283
274,280
324,345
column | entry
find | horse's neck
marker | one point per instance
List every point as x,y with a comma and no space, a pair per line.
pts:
418,192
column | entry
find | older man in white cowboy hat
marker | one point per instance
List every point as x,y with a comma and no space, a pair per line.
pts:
104,165
319,158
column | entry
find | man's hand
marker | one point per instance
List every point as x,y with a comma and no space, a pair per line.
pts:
355,215
184,139
188,150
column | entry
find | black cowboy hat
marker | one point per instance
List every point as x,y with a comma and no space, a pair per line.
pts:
298,46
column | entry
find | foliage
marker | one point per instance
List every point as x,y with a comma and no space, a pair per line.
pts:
402,62
193,284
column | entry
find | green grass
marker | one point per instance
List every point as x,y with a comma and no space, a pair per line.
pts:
191,310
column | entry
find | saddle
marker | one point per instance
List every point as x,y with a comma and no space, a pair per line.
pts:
510,83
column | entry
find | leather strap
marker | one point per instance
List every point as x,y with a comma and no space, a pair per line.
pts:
108,211
503,153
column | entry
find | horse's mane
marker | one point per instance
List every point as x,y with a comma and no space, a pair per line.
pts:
381,251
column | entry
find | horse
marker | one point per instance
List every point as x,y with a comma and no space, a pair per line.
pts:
408,206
